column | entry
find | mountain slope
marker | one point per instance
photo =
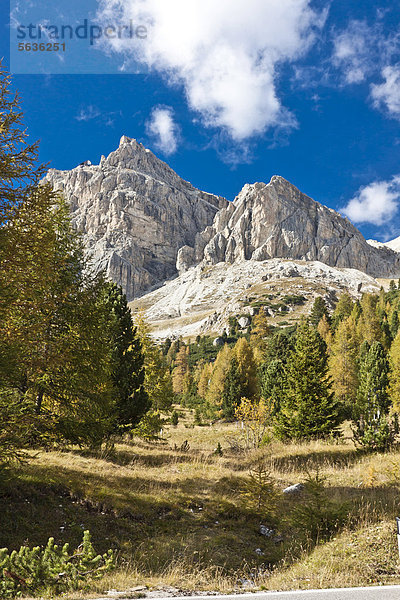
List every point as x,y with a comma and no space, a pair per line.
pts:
276,220
135,213
201,300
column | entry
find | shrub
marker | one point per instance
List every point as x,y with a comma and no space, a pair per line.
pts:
255,418
175,418
150,426
259,490
51,569
218,450
318,516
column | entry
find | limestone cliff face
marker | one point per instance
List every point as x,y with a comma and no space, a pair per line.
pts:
135,213
276,220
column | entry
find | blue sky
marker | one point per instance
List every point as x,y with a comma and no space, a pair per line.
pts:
307,90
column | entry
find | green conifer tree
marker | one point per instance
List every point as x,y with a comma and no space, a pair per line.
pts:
308,409
394,375
372,429
319,309
127,359
233,391
272,371
394,323
342,310
55,329
18,168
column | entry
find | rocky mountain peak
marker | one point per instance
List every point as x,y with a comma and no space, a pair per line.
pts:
135,213
276,220
143,224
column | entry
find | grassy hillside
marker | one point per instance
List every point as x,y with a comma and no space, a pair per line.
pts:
186,517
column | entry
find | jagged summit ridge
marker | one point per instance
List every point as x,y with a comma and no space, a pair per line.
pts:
142,223
135,213
276,220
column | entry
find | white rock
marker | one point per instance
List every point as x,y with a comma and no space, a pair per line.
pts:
264,530
293,490
244,322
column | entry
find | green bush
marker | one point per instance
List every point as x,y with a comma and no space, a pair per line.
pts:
150,426
259,492
51,569
317,517
175,418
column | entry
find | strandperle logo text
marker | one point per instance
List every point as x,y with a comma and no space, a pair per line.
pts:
84,31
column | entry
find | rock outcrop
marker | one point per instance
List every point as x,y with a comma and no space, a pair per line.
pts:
276,220
135,213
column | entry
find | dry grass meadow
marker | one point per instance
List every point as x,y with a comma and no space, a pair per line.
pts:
186,517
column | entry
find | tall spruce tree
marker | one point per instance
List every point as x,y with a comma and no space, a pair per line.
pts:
308,409
372,429
131,399
232,392
272,371
318,310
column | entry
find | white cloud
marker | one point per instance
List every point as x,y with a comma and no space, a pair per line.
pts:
163,129
88,113
362,50
353,51
226,56
387,94
376,203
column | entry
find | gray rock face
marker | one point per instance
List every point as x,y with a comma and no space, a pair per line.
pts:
276,220
135,213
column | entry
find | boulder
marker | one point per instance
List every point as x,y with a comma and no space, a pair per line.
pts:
293,490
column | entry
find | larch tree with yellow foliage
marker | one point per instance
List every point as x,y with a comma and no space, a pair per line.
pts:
181,370
343,366
157,378
394,375
369,326
325,332
220,370
204,380
260,331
